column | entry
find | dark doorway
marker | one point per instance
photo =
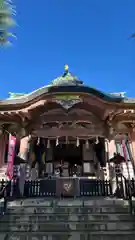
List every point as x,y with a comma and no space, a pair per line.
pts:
68,155
68,152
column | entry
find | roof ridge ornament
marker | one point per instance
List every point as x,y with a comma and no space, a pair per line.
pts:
67,79
66,68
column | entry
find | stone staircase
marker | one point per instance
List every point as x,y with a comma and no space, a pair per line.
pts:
69,219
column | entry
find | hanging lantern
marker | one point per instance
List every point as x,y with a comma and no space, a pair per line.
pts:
57,141
87,144
77,142
48,143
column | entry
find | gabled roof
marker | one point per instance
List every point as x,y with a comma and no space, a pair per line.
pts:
66,83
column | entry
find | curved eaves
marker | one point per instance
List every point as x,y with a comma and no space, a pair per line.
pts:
61,89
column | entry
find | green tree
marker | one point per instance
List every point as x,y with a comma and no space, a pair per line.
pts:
7,12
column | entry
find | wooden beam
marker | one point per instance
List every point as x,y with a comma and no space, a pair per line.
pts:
67,118
69,132
125,118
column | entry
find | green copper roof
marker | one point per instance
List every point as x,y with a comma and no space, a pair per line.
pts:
67,79
66,83
16,95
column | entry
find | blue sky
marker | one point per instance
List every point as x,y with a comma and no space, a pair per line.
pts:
91,36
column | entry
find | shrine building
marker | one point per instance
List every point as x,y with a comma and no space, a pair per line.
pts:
69,123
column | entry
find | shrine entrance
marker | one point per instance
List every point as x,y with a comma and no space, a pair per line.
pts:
73,134
70,157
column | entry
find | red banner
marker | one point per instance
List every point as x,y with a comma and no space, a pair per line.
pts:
11,154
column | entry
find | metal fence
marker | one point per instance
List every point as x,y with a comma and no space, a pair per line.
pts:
40,188
95,188
87,187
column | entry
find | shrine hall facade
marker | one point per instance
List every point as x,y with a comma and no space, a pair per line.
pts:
70,122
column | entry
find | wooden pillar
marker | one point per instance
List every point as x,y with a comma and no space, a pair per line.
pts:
111,148
107,158
24,148
23,153
89,159
112,173
3,142
106,149
49,159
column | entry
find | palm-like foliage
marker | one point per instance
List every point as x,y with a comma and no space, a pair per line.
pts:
7,12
